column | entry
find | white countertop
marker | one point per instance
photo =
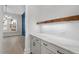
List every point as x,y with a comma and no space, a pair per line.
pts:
66,43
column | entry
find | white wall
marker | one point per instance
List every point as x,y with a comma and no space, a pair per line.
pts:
41,13
1,30
1,15
14,9
19,24
63,29
33,16
27,43
57,11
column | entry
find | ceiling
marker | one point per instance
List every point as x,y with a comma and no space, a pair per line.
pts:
14,9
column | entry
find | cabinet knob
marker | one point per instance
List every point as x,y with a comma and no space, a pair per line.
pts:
34,44
45,44
37,40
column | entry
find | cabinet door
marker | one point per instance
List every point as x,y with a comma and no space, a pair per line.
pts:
44,50
35,46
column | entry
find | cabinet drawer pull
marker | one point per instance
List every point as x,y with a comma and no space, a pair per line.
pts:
37,40
45,44
34,44
60,52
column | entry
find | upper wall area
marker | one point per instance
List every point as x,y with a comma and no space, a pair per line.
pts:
41,13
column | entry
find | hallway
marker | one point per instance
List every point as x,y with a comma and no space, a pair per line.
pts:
12,40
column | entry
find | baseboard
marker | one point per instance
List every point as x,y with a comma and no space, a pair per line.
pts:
26,51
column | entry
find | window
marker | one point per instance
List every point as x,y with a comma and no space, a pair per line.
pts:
9,24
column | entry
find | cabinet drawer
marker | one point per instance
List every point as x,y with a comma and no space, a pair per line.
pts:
38,40
44,50
60,50
48,46
56,49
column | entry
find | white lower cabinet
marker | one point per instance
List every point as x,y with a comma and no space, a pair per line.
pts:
35,46
39,46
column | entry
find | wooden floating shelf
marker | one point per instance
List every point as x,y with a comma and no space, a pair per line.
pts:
69,18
